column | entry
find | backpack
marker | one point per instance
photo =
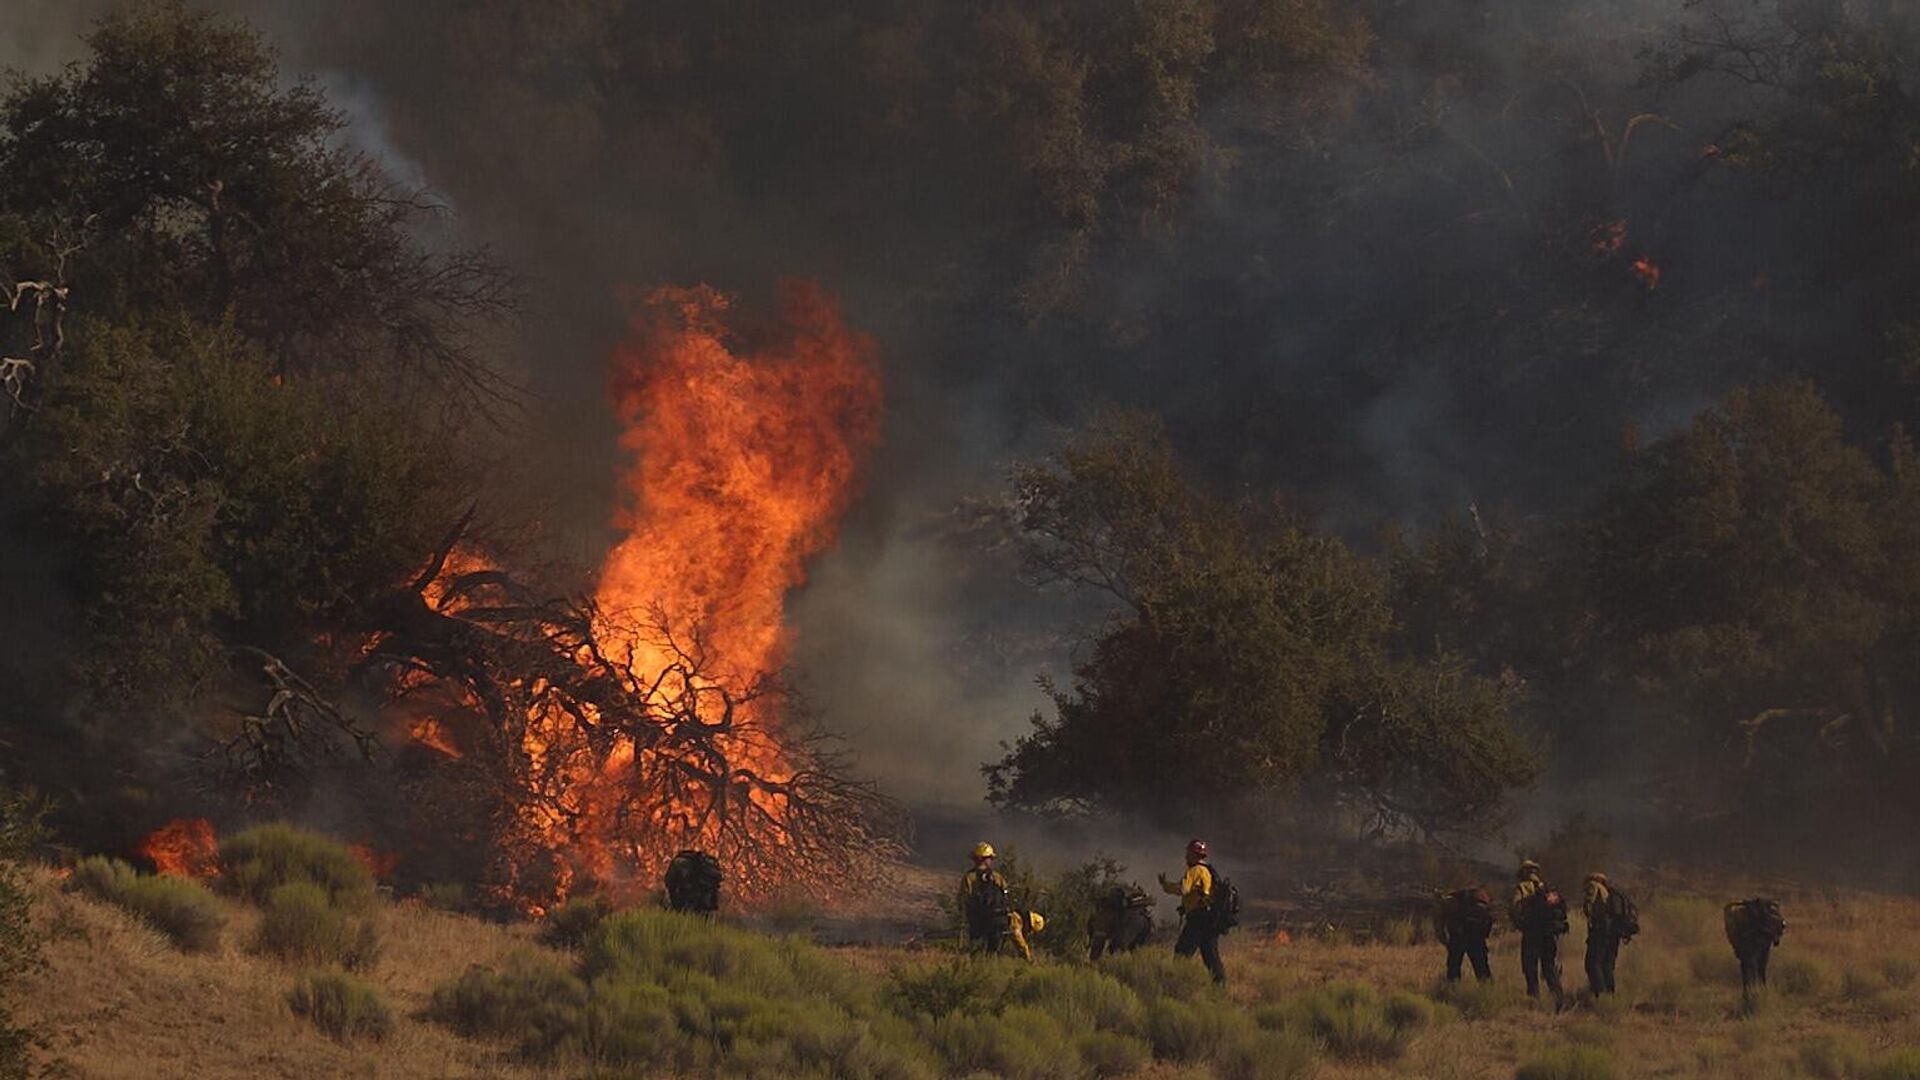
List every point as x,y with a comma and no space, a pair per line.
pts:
1622,915
1470,909
1543,911
1224,903
989,903
693,882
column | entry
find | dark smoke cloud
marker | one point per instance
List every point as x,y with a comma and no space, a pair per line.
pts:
1378,321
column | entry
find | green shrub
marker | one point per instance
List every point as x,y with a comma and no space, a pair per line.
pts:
1900,972
1196,1032
299,924
180,908
255,862
1021,1044
1078,997
570,923
1797,976
1107,1053
1478,1000
964,984
1689,921
1356,1023
342,1006
1267,1055
1711,965
1155,974
530,1002
1568,1063
1832,1057
1899,1065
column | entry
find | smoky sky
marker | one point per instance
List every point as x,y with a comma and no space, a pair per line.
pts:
1397,316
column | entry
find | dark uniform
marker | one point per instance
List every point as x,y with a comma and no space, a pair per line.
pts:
1122,921
1753,929
1199,928
1463,922
986,905
693,883
1540,931
1606,929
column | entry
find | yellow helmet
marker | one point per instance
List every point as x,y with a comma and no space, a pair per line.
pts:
1529,867
1597,878
1036,922
983,850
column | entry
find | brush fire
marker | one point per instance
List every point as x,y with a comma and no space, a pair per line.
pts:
649,716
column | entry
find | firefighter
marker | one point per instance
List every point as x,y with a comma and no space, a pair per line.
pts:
1463,922
1121,921
1200,929
1540,915
1609,924
985,903
693,882
1753,929
1021,928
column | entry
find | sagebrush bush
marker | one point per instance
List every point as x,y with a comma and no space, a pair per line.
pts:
1183,1031
963,984
1268,1055
256,861
1478,1000
569,924
1155,974
1107,1053
182,909
1079,997
1690,921
341,1006
1569,1063
1711,965
1901,1064
1796,976
1358,1023
299,923
1832,1057
532,1003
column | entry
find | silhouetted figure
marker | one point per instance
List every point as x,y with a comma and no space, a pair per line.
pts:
693,883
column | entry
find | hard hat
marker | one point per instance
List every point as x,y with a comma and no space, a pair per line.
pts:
1529,867
1197,848
1597,878
983,850
1036,922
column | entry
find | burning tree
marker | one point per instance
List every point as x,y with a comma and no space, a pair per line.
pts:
613,730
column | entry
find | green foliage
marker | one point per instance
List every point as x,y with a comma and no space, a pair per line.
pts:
1569,1063
1358,1023
190,916
22,830
1241,641
300,924
342,1006
1478,1000
659,991
1798,976
1901,1064
568,925
257,861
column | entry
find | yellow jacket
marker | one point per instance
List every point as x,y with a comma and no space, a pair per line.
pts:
1521,893
1597,897
1195,889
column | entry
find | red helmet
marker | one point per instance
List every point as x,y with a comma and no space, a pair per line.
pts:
1197,849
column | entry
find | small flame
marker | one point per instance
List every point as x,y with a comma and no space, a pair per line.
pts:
432,734
1647,271
186,847
378,863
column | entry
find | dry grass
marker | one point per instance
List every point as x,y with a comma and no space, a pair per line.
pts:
119,1001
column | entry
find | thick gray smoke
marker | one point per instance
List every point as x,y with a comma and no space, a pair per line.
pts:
1378,320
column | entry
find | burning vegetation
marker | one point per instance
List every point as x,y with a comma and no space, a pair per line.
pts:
618,728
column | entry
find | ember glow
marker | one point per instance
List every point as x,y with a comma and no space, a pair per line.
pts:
1647,271
186,847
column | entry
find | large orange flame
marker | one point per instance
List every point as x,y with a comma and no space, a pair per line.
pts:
742,457
186,847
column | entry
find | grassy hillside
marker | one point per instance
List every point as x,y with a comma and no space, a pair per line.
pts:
650,994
